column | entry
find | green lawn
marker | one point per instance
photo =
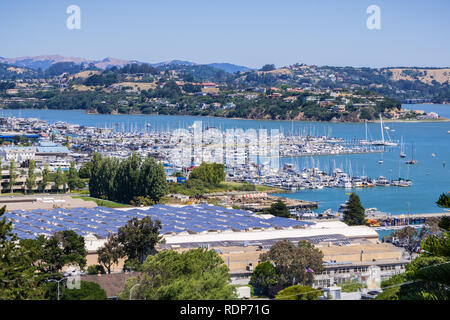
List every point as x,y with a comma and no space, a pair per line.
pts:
103,203
191,189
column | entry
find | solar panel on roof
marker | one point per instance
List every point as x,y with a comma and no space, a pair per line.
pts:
102,220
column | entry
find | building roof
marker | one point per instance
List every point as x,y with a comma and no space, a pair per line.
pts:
103,221
44,149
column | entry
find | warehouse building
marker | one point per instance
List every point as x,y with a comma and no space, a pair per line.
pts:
238,236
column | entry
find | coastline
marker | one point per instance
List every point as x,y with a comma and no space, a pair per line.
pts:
440,120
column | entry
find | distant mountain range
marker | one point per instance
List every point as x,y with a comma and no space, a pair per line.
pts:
44,62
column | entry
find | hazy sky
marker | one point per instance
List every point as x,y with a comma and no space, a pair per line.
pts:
244,32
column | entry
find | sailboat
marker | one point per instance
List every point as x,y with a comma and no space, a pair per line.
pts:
366,141
402,150
412,161
383,142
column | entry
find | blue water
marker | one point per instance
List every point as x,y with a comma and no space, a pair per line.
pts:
441,109
430,176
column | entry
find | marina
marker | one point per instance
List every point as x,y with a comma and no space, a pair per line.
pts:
430,176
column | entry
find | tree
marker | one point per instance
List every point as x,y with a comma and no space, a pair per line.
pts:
130,180
152,180
268,67
73,180
35,251
106,179
437,245
445,223
127,179
12,175
64,247
87,291
96,269
429,273
19,279
196,274
142,201
95,189
110,253
278,209
409,237
427,277
294,264
139,238
299,292
212,173
431,226
60,179
264,277
85,170
444,201
45,178
31,179
354,214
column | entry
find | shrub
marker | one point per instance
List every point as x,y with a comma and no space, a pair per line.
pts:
299,292
95,268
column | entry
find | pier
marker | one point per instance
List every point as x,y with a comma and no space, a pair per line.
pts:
408,219
259,201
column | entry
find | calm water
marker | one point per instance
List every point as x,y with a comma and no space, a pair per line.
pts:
431,176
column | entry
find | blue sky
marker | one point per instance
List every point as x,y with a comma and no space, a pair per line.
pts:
245,32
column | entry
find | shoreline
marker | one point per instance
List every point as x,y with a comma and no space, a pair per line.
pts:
440,120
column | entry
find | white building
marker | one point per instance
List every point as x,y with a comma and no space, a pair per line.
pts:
18,154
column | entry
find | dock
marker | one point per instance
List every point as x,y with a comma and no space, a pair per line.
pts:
408,219
259,201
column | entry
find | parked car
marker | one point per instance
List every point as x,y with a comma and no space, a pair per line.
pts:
370,294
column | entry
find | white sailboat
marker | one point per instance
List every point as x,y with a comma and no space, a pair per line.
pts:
402,149
383,142
366,141
412,161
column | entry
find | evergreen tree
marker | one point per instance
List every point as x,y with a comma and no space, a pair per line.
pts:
152,180
212,173
110,253
139,238
278,209
87,291
444,201
444,223
85,170
31,179
299,292
12,175
106,176
19,279
45,178
73,179
127,179
60,179
264,278
64,247
354,214
94,180
294,264
196,274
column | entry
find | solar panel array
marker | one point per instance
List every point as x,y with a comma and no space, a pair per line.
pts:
102,221
334,238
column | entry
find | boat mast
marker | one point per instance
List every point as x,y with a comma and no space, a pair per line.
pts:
366,130
381,125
